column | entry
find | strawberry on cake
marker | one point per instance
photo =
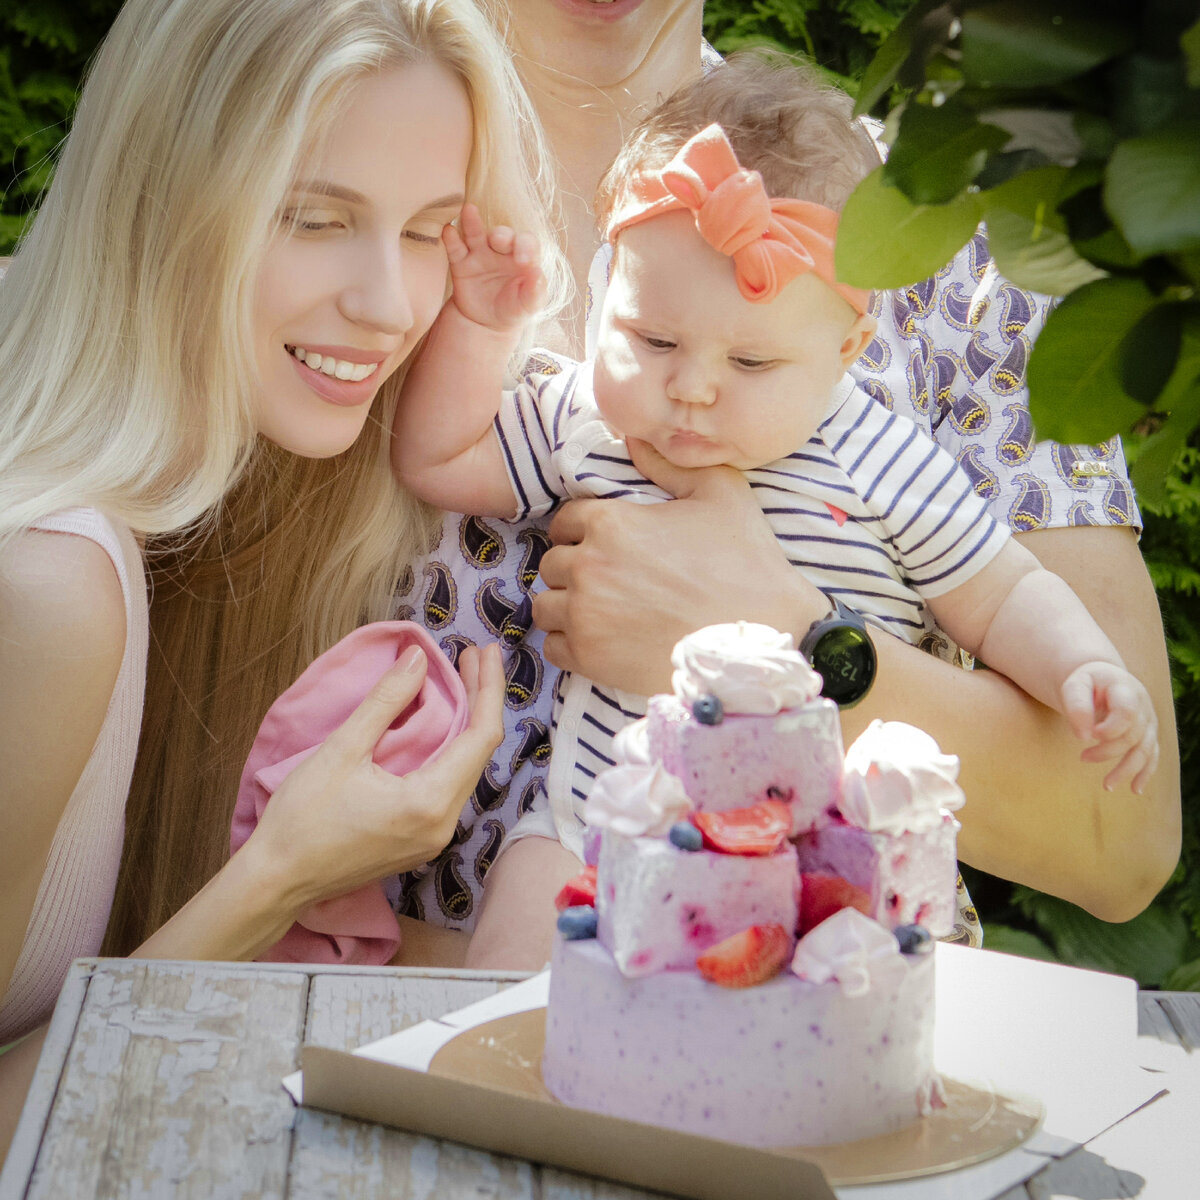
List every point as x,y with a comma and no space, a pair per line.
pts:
747,955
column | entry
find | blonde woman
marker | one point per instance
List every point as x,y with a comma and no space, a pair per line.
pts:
201,341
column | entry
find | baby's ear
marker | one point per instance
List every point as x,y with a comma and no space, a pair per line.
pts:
858,338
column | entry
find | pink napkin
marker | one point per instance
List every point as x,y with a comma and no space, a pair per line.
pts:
360,926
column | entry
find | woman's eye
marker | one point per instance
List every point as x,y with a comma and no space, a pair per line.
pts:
423,238
301,220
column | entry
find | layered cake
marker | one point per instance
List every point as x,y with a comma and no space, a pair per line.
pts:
747,955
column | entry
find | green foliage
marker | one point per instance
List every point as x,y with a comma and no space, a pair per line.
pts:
44,45
1073,127
840,36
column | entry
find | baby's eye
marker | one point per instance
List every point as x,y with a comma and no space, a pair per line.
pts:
752,364
657,343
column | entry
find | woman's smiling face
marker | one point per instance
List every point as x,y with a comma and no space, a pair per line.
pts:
356,273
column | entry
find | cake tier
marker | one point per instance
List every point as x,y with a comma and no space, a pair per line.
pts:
660,906
795,756
787,1063
909,877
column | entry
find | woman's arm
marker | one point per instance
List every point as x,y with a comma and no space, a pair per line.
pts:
626,581
62,637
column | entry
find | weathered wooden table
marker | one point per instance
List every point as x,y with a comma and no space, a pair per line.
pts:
162,1080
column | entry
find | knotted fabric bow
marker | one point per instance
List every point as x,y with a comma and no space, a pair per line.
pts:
770,240
358,927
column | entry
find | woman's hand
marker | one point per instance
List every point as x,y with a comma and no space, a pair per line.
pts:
339,820
627,581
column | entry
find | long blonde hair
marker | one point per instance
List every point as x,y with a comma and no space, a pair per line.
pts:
127,378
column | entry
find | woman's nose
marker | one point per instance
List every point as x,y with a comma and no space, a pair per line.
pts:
377,295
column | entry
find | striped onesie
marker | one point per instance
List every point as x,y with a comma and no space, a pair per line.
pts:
869,509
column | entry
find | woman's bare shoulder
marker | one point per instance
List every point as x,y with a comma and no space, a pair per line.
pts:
61,610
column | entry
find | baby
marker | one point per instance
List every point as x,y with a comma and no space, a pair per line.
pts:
724,339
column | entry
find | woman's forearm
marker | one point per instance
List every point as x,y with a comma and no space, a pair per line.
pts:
244,909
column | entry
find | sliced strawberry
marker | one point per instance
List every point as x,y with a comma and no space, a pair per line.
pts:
750,957
577,891
757,829
822,895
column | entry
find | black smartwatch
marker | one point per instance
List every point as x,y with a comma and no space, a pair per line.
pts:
840,649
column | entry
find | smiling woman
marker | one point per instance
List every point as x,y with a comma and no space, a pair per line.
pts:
201,340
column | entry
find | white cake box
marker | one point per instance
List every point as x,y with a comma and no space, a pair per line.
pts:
1062,1035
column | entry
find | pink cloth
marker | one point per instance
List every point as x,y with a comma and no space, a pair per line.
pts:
360,926
771,240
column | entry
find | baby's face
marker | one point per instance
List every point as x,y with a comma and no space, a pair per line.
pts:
704,375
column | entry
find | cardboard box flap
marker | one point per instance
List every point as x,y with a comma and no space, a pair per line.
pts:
505,1123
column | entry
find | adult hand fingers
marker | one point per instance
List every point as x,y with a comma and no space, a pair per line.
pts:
454,772
391,695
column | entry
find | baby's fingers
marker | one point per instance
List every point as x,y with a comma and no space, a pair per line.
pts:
1079,704
1137,765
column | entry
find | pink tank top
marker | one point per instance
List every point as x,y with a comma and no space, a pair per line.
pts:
76,891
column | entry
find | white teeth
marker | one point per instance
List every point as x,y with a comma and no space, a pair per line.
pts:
336,368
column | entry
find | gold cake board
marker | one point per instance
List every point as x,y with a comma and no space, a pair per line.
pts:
977,1123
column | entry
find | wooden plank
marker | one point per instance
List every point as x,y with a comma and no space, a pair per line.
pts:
1183,1011
348,1010
563,1185
27,1139
171,1085
335,1157
1084,1175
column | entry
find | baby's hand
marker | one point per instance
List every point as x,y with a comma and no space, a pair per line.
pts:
1107,706
497,280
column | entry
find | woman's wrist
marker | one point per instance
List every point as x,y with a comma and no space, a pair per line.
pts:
242,911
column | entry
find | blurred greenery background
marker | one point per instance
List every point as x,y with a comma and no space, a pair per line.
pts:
44,48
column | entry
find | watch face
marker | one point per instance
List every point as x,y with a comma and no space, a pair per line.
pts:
845,658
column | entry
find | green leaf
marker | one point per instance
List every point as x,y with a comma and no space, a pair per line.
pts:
1184,978
1028,236
1034,43
1075,394
939,151
1152,190
1180,398
886,241
1147,948
1190,45
923,29
1007,940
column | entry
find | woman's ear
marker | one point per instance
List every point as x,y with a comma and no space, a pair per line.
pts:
857,338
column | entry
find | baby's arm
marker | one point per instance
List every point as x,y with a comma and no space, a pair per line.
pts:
443,447
1026,623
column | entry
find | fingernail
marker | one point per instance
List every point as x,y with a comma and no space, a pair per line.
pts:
411,660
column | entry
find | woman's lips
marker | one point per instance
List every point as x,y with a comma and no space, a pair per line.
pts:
598,10
348,393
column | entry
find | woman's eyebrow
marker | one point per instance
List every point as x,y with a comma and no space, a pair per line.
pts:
454,200
323,187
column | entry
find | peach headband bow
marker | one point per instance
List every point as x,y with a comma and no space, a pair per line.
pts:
770,240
